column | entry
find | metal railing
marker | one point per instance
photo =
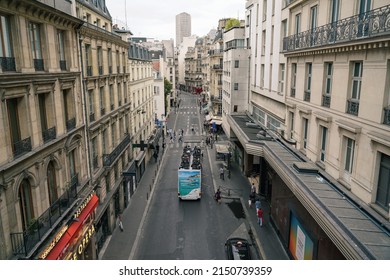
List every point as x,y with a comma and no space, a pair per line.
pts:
7,64
326,100
22,146
353,107
39,65
24,242
49,134
70,124
108,159
370,24
386,119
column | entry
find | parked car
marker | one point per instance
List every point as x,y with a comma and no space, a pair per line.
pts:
237,249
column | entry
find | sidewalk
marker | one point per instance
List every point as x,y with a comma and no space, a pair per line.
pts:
238,187
119,245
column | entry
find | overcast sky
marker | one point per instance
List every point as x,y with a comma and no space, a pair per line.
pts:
156,18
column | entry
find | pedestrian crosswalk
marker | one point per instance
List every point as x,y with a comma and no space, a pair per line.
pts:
191,143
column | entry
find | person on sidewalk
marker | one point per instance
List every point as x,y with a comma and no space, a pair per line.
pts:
120,222
253,188
221,173
258,204
260,216
218,196
251,200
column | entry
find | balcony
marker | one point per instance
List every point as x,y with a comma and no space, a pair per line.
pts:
306,96
92,117
70,124
292,92
353,106
23,146
89,71
386,119
217,67
326,100
39,65
23,243
49,134
374,23
7,64
63,65
108,159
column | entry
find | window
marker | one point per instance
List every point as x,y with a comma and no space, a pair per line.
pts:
262,76
61,49
109,60
308,82
324,132
283,33
291,125
107,181
7,59
235,86
111,89
235,108
236,64
356,84
72,163
383,190
104,141
349,154
113,136
94,153
281,77
88,59
264,10
26,203
297,23
334,10
272,40
36,47
52,183
102,101
293,79
119,90
327,84
305,132
100,59
313,17
263,40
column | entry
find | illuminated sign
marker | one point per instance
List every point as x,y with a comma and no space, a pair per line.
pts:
83,243
82,206
53,243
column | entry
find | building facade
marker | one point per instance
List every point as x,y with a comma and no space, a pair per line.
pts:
183,27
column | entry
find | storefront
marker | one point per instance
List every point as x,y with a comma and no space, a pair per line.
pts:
76,239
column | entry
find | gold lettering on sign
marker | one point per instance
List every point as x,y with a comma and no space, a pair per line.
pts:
82,206
83,242
53,243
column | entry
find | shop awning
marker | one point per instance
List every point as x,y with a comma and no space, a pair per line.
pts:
73,229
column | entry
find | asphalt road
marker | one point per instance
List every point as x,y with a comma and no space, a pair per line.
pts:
186,230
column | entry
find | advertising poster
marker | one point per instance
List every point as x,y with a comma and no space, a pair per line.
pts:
300,245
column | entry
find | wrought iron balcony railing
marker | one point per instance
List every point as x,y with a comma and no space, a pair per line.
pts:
23,146
326,100
292,92
49,134
24,242
217,67
63,65
108,159
306,96
353,106
370,24
70,124
39,65
386,119
8,64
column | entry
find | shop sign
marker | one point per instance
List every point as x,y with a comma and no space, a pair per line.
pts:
80,248
53,243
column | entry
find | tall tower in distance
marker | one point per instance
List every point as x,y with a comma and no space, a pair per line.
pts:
183,27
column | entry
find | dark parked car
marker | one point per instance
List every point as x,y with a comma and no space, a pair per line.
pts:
237,249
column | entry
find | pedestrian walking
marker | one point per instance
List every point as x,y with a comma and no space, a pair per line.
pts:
260,216
253,188
221,173
218,196
258,204
120,222
251,199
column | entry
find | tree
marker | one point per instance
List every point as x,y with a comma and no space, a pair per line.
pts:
232,22
167,92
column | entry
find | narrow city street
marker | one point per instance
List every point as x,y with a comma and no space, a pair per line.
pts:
179,229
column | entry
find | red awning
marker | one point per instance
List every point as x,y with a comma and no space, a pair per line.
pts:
73,229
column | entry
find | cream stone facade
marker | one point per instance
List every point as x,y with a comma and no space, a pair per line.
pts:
43,140
339,93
